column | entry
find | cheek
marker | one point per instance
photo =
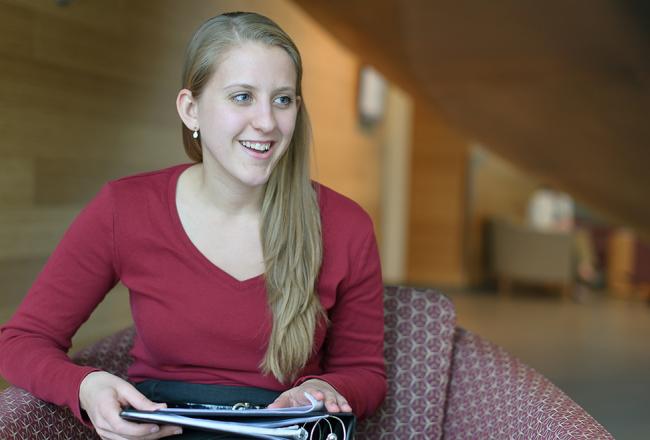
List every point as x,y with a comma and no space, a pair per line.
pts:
223,121
287,123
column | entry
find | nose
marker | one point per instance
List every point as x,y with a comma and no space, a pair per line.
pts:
264,119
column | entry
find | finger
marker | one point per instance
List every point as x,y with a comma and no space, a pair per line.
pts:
108,435
112,422
343,404
316,393
108,423
131,396
331,403
165,431
169,430
345,407
326,401
282,401
139,430
290,398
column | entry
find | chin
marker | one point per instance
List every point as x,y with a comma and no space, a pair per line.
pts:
256,181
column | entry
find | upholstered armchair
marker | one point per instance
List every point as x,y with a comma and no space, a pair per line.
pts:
444,382
519,253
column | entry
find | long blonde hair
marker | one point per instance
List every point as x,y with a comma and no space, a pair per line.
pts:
290,227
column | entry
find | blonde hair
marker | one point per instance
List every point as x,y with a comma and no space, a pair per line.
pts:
290,227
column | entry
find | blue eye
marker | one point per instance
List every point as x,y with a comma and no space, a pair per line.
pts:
241,97
284,100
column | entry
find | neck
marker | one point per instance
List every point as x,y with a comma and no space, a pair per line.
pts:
227,196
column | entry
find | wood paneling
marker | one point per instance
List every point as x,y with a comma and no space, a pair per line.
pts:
437,211
32,231
16,181
61,181
17,275
620,262
16,30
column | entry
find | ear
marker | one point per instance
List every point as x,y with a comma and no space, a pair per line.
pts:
187,107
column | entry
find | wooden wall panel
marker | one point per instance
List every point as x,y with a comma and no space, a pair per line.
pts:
17,275
16,30
16,181
61,181
32,231
437,205
107,15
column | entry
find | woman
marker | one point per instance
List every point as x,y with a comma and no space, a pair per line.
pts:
242,272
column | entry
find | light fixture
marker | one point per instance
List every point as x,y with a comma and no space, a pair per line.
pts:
372,96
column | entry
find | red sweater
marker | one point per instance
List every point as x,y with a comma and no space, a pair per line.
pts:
194,322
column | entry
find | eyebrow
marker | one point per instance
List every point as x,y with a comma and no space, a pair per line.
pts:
250,87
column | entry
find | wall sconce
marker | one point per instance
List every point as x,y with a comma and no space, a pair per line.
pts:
372,97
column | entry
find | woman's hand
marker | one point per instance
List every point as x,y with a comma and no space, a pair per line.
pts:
320,389
102,395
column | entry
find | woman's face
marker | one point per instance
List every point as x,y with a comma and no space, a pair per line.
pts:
247,112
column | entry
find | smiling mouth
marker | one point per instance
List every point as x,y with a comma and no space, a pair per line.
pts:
261,147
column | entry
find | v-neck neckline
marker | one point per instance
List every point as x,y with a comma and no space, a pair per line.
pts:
254,281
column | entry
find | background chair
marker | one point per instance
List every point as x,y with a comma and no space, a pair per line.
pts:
444,382
521,253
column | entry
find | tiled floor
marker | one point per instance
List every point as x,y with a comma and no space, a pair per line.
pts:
597,351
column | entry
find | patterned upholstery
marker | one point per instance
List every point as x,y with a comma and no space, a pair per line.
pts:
444,382
418,345
24,417
110,354
493,395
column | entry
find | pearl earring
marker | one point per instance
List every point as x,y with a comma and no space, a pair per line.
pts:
195,135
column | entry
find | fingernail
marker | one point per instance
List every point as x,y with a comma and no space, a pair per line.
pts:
155,429
179,431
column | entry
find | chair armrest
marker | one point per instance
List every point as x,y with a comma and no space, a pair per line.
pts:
23,416
494,395
111,353
419,330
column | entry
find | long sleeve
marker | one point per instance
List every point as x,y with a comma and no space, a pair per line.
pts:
353,362
77,276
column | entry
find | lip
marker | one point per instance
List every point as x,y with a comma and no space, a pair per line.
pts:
258,154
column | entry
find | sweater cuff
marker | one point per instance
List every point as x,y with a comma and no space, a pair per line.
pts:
75,403
304,379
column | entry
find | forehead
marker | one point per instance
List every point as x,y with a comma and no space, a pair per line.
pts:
256,64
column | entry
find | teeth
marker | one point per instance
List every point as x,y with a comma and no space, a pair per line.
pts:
259,146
